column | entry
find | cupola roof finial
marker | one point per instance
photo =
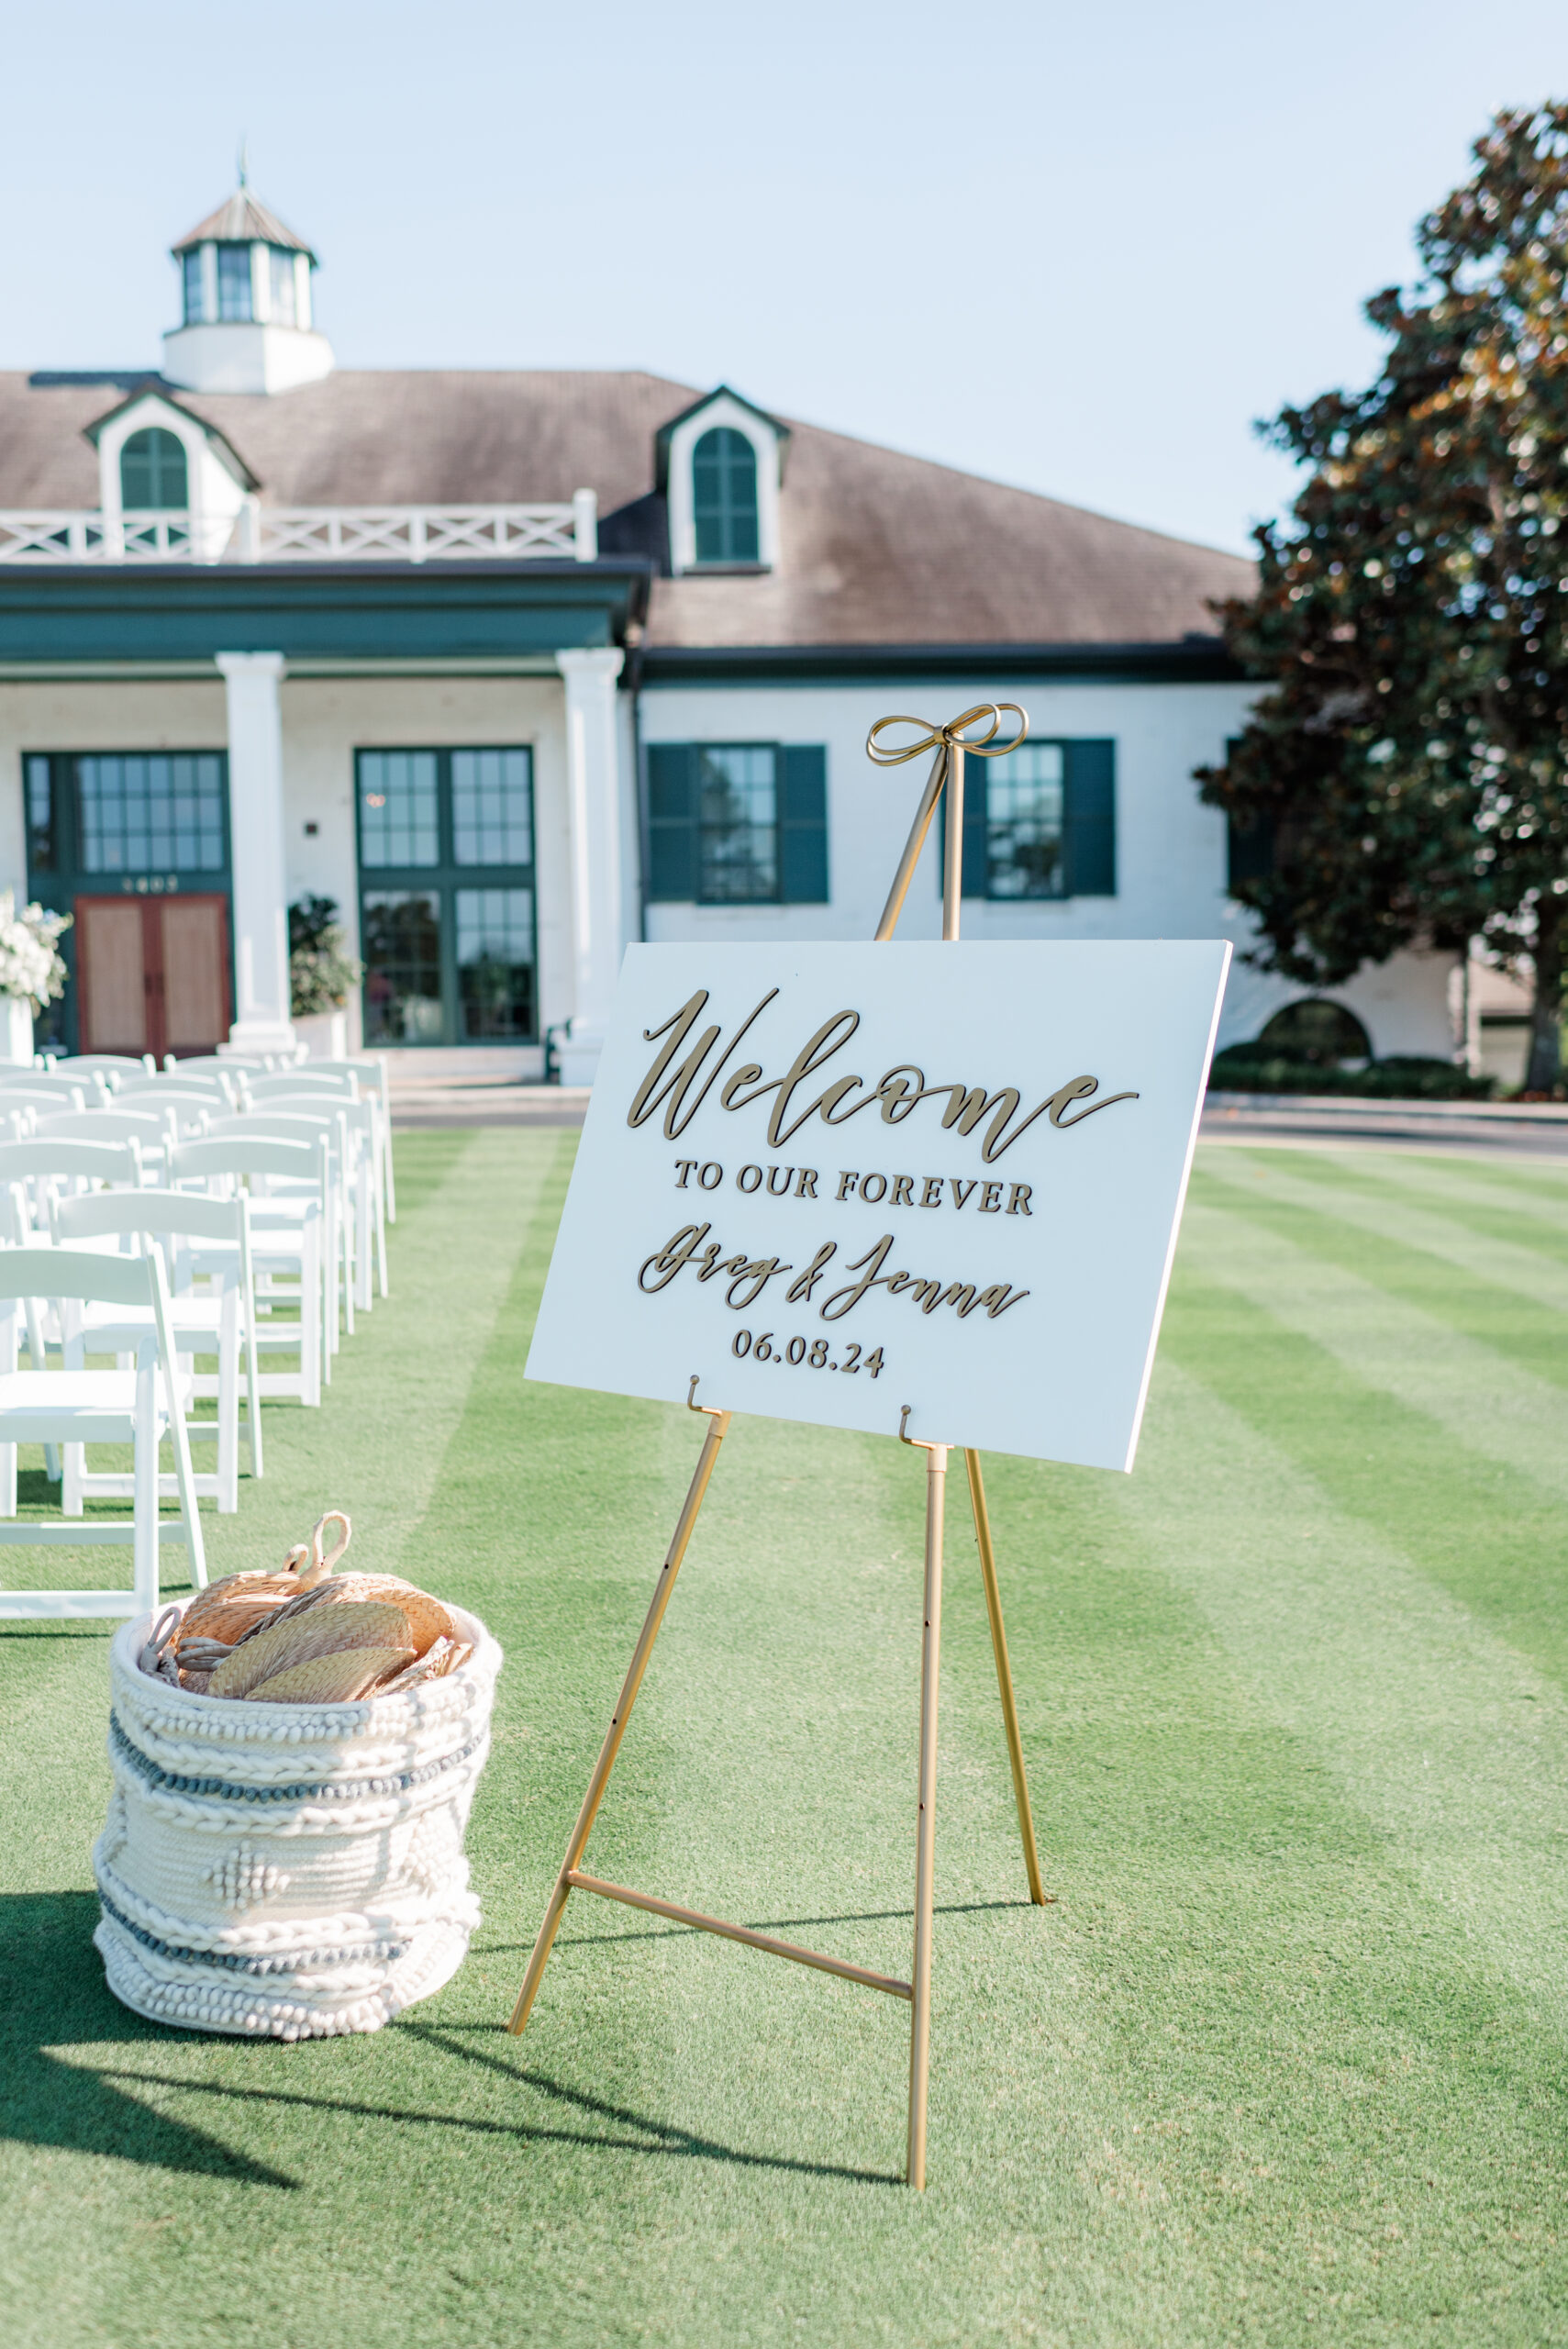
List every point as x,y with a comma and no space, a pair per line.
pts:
244,220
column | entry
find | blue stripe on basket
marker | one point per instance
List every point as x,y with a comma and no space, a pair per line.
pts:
231,1790
231,1962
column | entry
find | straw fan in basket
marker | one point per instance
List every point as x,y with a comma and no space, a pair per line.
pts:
294,1757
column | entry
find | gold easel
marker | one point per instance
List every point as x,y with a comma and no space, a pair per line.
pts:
949,744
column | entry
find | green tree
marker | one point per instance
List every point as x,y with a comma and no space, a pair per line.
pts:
1402,778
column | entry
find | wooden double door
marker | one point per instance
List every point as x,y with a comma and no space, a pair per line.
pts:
153,974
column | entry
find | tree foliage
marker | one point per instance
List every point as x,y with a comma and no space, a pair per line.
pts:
1403,775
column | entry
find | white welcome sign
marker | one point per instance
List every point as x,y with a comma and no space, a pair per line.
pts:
834,1180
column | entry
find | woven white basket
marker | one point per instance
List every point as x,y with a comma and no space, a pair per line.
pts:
288,1871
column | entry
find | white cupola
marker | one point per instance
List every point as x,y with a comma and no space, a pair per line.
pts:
246,280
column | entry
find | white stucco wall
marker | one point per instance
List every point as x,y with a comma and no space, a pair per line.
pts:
1171,849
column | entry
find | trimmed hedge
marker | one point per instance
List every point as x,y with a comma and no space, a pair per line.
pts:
1404,1076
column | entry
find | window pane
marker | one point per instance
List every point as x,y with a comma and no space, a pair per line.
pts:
737,818
41,817
398,808
400,940
152,814
152,472
191,265
1023,810
724,497
492,808
282,265
234,281
495,961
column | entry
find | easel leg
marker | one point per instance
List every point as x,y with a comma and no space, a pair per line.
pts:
717,1427
926,1843
1004,1673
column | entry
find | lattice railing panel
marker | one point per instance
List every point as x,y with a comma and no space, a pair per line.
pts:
50,537
299,534
412,533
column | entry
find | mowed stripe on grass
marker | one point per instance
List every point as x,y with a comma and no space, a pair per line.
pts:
1285,2056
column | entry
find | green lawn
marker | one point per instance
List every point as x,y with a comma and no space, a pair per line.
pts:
1283,2063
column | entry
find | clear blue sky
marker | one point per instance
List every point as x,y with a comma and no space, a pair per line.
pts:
1075,248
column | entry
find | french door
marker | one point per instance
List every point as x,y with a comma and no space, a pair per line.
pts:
447,896
152,827
153,974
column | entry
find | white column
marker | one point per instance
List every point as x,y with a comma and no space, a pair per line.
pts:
256,838
592,785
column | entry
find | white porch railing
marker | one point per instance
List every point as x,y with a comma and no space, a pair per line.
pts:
260,533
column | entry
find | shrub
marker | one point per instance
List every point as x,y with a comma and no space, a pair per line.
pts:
322,976
1403,1076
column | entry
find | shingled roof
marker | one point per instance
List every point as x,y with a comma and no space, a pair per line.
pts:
241,221
877,548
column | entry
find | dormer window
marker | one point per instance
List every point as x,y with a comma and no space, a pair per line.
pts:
153,473
720,465
724,497
234,283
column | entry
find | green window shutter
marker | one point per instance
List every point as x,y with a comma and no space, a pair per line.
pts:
976,858
671,823
1249,846
1090,844
803,825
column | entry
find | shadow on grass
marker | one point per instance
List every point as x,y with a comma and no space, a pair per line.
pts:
56,1996
57,1999
641,2134
764,1925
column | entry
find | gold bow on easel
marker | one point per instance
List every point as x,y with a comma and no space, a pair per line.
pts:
950,743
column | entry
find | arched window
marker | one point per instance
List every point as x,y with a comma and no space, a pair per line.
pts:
1316,1030
724,497
152,472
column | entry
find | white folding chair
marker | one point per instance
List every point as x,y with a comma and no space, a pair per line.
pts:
365,1125
189,1108
217,1092
46,1095
287,1237
110,1067
17,1232
69,1406
308,1126
370,1071
57,1164
218,1063
155,1131
217,1322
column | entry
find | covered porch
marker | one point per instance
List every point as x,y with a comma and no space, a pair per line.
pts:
443,750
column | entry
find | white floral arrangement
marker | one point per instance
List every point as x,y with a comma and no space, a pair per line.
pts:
31,969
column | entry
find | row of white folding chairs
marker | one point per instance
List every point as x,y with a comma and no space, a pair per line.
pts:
117,1074
302,1269
117,1298
293,1210
66,1409
187,1104
243,1083
248,1200
161,1117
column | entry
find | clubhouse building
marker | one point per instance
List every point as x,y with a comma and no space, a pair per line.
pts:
517,667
